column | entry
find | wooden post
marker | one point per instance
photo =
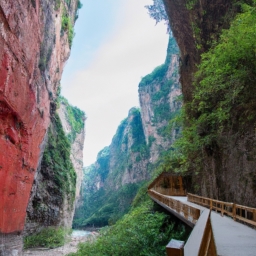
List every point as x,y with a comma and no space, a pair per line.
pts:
222,209
175,248
234,212
210,204
254,215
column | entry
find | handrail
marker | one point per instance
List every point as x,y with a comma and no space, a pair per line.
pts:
201,240
237,212
188,212
208,246
170,190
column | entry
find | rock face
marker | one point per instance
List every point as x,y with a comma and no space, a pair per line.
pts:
57,184
128,153
32,55
194,24
158,94
77,144
111,183
227,172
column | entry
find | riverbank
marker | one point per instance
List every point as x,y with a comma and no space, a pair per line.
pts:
71,246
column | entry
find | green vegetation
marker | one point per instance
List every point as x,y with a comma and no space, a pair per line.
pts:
157,12
57,5
190,4
57,159
67,26
223,99
104,207
68,2
50,237
160,97
45,57
79,6
158,73
144,231
75,117
139,141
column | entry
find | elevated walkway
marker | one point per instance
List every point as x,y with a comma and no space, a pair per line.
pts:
213,233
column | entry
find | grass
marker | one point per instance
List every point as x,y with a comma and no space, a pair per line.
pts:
50,237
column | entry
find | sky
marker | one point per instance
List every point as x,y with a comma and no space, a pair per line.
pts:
115,45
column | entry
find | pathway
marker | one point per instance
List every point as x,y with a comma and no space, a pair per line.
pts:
231,238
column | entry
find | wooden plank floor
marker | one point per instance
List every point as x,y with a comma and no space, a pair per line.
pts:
231,238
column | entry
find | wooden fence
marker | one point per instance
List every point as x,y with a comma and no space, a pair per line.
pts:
190,213
201,240
237,212
168,184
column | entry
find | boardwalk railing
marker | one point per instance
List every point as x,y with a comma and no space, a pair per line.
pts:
190,213
237,212
201,240
167,184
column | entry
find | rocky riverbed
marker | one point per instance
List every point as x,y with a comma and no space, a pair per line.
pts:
78,236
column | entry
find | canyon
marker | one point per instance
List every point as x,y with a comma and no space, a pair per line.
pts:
137,148
41,141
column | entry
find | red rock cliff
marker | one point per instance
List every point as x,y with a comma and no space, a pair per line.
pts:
32,55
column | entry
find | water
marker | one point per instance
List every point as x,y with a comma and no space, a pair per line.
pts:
80,233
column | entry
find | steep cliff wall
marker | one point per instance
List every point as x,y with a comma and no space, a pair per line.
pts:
128,152
195,25
158,95
57,184
224,167
73,121
32,55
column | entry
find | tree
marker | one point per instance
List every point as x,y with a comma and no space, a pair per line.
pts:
157,11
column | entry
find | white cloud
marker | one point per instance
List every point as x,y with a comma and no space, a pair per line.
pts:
108,87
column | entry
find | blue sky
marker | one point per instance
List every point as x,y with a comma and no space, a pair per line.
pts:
115,45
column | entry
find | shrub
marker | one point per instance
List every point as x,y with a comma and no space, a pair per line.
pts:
143,231
49,237
67,26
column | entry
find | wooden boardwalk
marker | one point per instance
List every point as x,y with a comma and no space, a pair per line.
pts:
231,238
215,229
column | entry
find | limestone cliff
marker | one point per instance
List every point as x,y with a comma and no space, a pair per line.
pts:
72,120
158,95
57,184
226,169
34,45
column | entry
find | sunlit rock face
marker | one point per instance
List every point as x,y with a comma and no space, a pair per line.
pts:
159,103
128,155
76,146
56,187
32,55
228,169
